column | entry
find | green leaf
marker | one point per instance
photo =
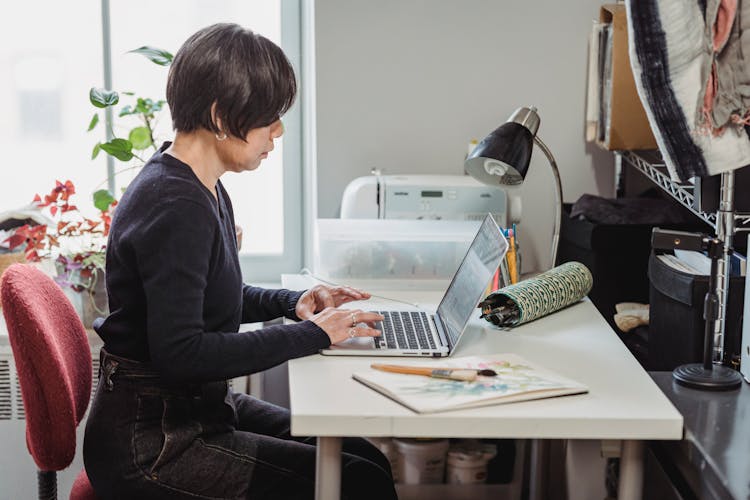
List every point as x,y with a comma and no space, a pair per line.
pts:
140,137
93,122
96,150
142,105
103,199
155,55
102,98
119,148
127,110
127,93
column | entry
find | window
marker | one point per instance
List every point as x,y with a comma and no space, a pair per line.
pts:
44,97
45,84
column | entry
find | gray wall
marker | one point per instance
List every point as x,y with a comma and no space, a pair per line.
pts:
403,85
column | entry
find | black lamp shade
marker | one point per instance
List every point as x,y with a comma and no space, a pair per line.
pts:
503,156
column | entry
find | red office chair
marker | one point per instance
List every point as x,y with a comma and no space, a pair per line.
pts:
53,360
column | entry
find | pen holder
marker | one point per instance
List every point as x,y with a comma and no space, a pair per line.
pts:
535,297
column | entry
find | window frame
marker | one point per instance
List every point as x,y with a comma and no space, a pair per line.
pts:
269,268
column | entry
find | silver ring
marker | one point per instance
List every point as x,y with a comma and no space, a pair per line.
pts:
354,319
352,332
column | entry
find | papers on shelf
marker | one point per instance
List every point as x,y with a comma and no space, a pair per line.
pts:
691,262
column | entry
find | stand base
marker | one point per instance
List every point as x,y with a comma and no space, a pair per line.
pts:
719,378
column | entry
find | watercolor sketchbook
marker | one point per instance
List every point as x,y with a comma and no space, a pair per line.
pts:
516,380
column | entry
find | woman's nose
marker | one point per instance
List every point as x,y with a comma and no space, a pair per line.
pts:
277,129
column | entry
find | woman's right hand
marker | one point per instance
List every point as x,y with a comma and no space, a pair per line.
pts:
343,324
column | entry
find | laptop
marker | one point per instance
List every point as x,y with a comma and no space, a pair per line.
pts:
415,332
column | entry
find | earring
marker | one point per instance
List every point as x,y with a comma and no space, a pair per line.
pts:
221,137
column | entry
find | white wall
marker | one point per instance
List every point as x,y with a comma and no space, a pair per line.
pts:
403,85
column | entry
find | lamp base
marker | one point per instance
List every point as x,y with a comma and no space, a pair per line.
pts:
696,376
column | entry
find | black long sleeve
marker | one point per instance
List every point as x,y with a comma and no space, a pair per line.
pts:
262,304
175,291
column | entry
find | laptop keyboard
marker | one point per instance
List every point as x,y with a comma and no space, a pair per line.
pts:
405,330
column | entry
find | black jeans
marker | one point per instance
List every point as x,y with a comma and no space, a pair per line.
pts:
147,439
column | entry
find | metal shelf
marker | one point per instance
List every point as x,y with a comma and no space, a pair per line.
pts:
652,166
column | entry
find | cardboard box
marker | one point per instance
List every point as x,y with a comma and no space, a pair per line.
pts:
628,125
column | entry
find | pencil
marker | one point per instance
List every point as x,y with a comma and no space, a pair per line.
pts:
511,257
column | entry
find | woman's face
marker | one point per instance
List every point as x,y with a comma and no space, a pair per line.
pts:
239,156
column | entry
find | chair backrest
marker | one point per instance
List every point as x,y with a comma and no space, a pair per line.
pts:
53,360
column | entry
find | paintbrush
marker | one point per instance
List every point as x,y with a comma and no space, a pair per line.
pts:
461,374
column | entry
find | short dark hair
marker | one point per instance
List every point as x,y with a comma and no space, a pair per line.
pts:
245,74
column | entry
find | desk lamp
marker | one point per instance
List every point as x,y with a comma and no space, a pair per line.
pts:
503,158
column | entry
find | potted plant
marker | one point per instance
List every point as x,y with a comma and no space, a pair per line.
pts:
74,243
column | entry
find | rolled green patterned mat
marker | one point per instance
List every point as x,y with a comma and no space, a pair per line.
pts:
535,297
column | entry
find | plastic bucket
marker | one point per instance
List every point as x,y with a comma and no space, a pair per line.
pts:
466,467
421,461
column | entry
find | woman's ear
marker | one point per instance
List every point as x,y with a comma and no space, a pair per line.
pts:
215,119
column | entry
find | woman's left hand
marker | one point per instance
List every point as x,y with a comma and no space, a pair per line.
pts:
319,297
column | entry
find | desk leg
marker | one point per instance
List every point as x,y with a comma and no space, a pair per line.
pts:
538,469
328,469
631,471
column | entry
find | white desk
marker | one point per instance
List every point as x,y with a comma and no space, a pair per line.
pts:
623,402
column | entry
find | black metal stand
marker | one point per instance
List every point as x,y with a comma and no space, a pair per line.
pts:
706,375
47,484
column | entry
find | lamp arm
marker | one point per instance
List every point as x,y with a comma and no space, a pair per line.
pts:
558,197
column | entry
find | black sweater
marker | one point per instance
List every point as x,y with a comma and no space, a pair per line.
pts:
176,296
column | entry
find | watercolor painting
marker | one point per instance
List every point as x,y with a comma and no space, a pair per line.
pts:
516,380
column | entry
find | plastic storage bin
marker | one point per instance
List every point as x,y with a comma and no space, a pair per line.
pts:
395,250
676,325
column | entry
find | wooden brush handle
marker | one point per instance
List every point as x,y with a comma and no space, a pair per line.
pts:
409,370
449,373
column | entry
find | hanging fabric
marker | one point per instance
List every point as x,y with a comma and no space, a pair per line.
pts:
687,62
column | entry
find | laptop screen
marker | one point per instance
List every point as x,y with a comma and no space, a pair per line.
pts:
470,281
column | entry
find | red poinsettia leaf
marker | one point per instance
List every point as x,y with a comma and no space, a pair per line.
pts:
53,209
37,199
15,240
32,256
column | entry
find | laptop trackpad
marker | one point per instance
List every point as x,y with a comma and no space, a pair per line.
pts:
363,343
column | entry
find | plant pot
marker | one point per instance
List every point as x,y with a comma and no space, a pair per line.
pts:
91,302
94,303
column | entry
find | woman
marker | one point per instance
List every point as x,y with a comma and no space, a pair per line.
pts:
163,423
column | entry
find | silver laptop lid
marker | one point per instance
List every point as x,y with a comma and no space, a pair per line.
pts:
471,279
